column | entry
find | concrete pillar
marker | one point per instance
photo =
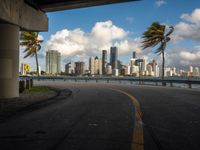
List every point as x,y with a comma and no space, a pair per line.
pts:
9,60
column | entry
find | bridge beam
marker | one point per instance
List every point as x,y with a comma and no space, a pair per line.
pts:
19,13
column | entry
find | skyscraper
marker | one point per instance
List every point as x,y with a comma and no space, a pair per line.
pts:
134,54
53,61
104,61
69,68
79,68
113,57
144,65
95,66
196,72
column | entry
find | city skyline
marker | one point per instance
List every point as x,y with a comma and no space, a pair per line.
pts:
136,67
78,40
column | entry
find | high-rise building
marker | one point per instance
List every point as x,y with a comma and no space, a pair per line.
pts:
154,64
125,71
69,68
138,62
196,72
104,61
150,70
134,69
113,57
144,65
183,73
190,70
39,70
95,66
108,69
79,68
157,71
134,54
115,72
174,71
155,68
53,61
91,65
119,64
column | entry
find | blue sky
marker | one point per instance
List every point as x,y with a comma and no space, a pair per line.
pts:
129,20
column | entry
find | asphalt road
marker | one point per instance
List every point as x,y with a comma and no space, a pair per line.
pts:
107,117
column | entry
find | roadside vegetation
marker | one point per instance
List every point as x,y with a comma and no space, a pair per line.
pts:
35,89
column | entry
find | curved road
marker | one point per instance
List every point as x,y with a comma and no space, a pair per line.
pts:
107,117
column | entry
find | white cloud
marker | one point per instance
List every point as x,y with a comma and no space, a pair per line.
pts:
190,56
194,17
181,57
127,46
68,42
75,43
160,2
107,32
189,28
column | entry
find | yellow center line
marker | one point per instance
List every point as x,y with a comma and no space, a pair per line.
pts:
138,139
138,136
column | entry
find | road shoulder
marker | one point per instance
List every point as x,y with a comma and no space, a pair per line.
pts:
9,107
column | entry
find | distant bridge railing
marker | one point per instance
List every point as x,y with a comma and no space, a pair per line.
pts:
189,81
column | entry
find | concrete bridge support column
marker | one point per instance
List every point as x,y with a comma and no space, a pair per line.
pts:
9,60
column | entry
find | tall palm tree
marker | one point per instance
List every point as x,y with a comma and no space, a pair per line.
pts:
157,34
31,42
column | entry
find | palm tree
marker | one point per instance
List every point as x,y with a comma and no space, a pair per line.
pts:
156,34
31,42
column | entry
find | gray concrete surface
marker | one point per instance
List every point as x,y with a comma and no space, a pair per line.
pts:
19,13
9,60
11,106
96,117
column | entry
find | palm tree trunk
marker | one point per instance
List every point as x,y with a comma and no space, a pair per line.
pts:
163,68
36,58
163,65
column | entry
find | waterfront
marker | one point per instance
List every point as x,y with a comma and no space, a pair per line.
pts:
179,82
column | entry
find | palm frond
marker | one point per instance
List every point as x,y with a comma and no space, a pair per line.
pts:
39,47
168,39
153,36
31,42
170,31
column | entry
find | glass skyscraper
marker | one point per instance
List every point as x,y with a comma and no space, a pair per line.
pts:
104,61
114,57
53,61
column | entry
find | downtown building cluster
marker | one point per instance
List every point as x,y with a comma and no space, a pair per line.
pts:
110,67
113,66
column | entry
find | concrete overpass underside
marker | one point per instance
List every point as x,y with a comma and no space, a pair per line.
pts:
55,5
30,15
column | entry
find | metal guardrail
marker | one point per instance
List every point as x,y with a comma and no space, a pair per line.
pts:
141,80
